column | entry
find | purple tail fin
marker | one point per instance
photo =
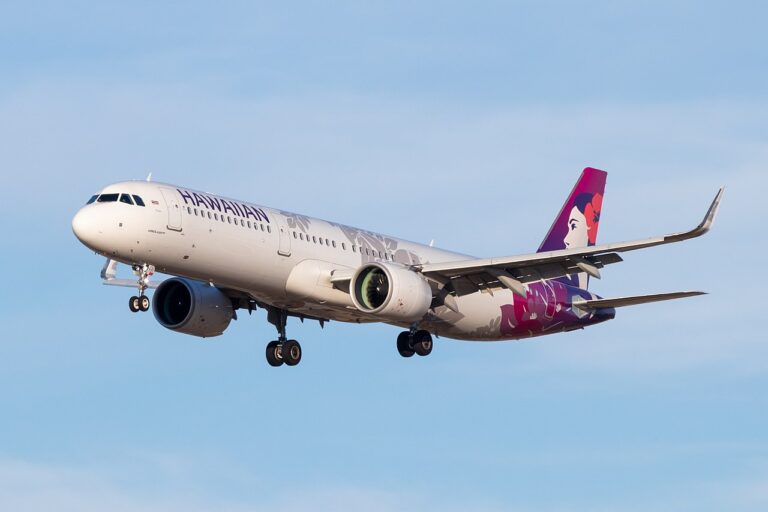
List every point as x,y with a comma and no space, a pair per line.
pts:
577,223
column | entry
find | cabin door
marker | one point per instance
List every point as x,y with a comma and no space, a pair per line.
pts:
174,210
284,247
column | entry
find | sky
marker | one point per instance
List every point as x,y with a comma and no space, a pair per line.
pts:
466,123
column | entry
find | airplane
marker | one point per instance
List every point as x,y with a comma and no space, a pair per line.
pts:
227,255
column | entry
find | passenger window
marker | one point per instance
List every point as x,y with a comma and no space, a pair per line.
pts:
262,227
242,222
314,238
354,248
333,242
269,228
107,198
301,236
195,212
209,215
294,234
327,242
343,246
189,210
216,216
92,199
139,201
249,224
229,219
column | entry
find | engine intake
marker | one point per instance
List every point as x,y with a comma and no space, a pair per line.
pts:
192,307
391,292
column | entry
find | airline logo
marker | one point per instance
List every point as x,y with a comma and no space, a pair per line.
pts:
223,206
577,223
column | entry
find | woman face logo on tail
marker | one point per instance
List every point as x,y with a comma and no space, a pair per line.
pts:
583,221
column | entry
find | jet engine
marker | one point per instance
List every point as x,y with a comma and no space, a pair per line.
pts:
391,292
192,307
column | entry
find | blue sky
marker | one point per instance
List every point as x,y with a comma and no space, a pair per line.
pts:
463,124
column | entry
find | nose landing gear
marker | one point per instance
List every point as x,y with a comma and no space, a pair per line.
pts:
141,302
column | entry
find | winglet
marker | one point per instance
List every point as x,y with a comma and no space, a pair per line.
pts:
705,225
709,218
109,270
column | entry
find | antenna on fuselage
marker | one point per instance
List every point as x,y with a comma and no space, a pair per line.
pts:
149,177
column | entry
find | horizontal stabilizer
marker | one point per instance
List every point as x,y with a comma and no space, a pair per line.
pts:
632,301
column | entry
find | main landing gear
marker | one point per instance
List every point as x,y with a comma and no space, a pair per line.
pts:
141,302
282,350
414,342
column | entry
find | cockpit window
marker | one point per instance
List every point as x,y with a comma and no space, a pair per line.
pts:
125,198
108,198
138,200
92,199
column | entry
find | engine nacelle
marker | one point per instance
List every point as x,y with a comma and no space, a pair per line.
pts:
192,307
391,292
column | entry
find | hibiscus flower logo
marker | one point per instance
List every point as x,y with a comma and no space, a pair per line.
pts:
592,216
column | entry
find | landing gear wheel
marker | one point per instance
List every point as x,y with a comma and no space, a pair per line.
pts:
274,353
404,344
422,343
291,352
144,272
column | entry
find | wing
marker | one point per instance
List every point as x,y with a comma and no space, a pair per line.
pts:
109,277
469,276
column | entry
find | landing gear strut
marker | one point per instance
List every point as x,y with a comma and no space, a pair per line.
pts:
414,342
141,302
282,350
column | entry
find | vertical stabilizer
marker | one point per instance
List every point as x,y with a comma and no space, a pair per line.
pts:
577,223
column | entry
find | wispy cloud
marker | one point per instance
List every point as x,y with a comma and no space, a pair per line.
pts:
26,487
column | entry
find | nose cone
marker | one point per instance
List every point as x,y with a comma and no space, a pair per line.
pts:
84,227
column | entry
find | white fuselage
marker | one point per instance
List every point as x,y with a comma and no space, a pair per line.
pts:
278,258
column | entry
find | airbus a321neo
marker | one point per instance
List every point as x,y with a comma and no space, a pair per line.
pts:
228,254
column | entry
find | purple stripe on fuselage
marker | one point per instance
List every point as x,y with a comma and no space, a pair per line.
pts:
549,307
